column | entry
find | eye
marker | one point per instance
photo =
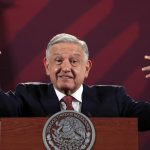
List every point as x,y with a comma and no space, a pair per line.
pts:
58,61
74,62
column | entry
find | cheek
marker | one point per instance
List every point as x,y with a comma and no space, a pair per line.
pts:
56,69
53,70
80,73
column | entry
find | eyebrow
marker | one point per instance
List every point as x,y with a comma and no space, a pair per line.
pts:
76,54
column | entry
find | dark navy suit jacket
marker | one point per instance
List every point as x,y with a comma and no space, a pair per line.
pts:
38,99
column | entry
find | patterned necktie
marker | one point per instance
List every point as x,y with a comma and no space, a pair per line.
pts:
68,101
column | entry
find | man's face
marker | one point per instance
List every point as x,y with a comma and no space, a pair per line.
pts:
67,66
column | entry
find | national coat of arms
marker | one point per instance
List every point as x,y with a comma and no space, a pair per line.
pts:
68,130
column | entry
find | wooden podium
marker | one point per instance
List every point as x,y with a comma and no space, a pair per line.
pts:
26,133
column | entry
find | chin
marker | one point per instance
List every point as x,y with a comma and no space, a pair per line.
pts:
67,89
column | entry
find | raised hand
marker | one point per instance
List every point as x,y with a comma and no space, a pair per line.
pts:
147,68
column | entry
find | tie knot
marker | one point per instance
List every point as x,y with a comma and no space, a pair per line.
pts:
68,101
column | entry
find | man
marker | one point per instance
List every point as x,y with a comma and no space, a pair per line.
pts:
67,64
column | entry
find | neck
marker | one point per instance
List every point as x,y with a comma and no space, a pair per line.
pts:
67,92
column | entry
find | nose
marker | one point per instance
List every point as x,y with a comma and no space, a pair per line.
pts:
66,66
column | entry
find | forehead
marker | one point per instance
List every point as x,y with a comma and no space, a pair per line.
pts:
66,48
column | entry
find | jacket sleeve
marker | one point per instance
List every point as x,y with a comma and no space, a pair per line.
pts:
132,108
10,105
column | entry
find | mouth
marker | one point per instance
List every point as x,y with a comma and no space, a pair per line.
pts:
65,77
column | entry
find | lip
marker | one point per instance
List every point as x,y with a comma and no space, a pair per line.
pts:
65,76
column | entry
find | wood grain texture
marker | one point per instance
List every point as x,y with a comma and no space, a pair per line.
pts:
26,133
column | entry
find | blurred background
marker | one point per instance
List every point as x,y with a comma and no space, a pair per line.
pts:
117,33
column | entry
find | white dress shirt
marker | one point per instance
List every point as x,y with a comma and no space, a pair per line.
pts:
77,99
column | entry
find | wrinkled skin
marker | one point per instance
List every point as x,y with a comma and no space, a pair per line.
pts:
67,66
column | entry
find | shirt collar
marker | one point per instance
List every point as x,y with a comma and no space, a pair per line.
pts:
77,95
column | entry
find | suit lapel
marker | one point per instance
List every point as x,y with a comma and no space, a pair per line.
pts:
50,101
90,102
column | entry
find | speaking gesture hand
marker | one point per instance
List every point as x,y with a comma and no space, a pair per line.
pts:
147,68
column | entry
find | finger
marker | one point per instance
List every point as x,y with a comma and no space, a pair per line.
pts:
146,68
147,76
147,57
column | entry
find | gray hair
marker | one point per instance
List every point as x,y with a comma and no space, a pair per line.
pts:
62,38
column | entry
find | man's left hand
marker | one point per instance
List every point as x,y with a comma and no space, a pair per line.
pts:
147,68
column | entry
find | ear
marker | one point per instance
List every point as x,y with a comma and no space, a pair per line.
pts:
46,65
88,68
